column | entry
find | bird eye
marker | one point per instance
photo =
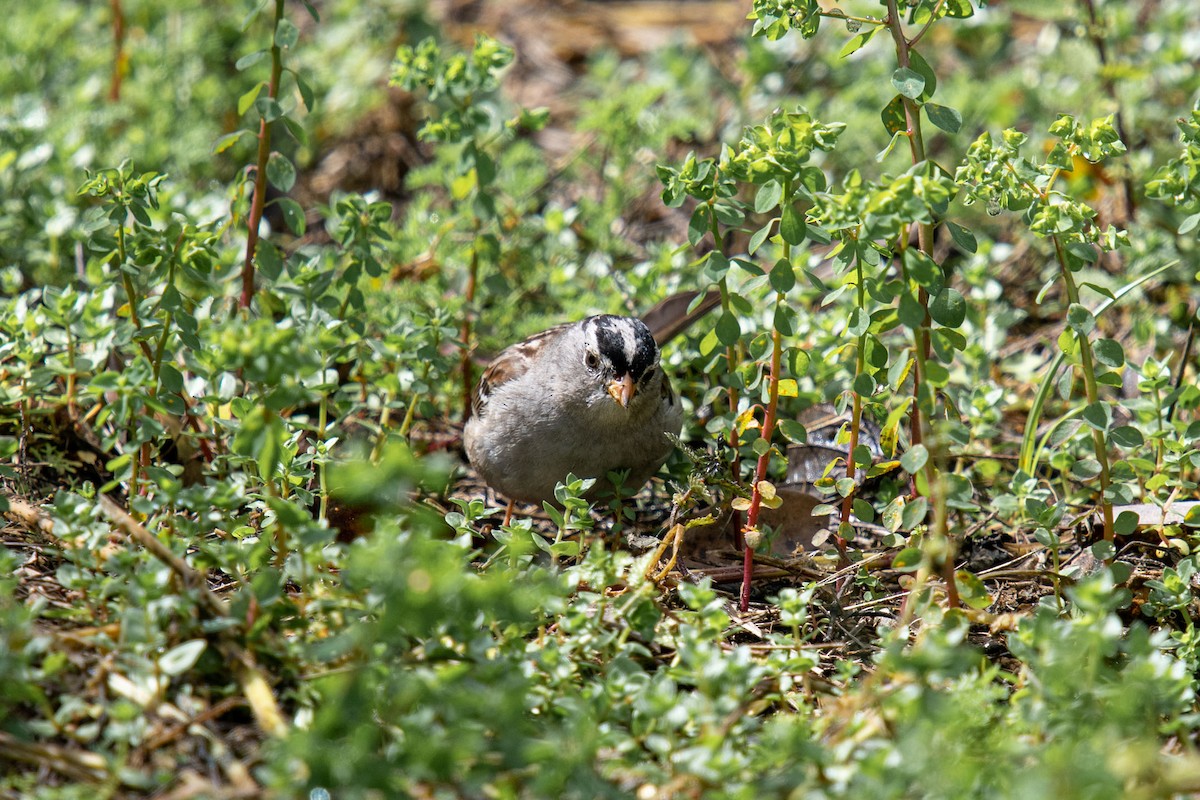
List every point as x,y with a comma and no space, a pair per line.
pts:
592,360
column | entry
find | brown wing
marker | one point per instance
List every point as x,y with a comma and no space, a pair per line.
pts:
512,362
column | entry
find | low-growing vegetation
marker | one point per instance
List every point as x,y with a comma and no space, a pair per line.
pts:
925,273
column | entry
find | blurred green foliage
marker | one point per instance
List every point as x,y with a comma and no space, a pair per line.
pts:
423,661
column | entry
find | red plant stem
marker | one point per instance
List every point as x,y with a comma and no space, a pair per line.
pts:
258,201
760,471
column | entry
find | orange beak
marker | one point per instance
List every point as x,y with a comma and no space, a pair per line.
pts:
622,390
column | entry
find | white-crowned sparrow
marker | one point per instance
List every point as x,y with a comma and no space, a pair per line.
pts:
586,398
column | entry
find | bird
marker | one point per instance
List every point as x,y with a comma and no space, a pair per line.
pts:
586,398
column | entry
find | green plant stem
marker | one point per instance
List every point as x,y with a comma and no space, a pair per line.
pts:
141,453
1030,452
322,465
939,531
71,347
1099,442
731,365
258,200
921,339
933,17
160,351
131,296
1160,429
1184,359
916,143
1110,89
468,378
848,18
860,367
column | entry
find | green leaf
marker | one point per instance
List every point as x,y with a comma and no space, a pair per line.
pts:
908,82
863,510
286,33
915,459
962,237
914,513
170,378
924,270
261,437
864,384
922,68
1083,251
911,312
268,260
791,226
1126,523
533,119
936,374
891,145
784,319
249,60
228,140
907,560
729,213
793,431
1098,289
948,308
1080,319
944,117
699,224
567,549
859,322
971,589
1190,224
727,329
899,372
768,196
280,172
293,215
247,100
1098,415
140,214
182,657
1126,436
856,43
268,108
782,276
893,118
759,237
1109,352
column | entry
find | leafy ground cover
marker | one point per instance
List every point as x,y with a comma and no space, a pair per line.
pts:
931,527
